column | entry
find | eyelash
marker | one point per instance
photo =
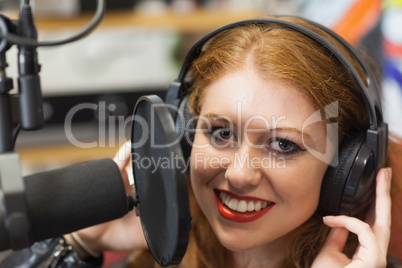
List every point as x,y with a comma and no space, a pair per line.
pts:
294,147
217,136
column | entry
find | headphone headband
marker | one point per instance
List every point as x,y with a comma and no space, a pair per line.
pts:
370,93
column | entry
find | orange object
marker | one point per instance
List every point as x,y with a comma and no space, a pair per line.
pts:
360,17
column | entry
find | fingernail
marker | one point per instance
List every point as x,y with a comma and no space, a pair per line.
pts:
328,217
387,176
388,173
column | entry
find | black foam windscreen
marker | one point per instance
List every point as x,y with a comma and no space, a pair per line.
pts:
68,199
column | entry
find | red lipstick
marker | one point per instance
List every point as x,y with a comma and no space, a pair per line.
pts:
240,217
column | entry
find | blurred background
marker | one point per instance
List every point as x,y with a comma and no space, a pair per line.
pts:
91,86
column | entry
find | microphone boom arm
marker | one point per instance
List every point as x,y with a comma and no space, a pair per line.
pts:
24,110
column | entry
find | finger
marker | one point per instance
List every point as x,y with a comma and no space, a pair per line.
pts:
122,159
382,223
383,201
336,239
370,216
361,229
122,156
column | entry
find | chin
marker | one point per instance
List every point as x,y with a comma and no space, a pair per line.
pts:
235,247
236,242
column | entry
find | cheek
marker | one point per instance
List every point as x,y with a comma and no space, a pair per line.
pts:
202,178
201,154
302,185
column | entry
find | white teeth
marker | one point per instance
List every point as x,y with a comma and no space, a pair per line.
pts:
233,204
250,206
257,205
226,200
242,205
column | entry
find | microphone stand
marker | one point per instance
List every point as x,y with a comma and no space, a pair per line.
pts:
15,228
22,111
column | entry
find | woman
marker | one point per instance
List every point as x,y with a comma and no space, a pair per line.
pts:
253,89
254,179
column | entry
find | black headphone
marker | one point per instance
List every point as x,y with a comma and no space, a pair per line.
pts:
347,188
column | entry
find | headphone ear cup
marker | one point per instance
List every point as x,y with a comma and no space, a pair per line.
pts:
336,177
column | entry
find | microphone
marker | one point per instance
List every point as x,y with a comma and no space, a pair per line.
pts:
31,104
71,198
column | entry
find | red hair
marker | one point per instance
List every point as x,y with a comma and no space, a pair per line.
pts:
282,53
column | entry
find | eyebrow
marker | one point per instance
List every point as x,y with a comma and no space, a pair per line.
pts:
214,116
292,130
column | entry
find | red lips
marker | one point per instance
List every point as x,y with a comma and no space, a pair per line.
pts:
240,217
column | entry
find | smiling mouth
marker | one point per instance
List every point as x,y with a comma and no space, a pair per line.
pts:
240,205
241,209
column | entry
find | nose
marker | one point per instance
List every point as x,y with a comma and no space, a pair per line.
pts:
244,168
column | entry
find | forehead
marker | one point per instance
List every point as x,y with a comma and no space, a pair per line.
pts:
247,94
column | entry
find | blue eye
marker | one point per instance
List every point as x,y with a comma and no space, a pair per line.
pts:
222,137
221,133
283,146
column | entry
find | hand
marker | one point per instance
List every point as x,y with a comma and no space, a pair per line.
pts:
124,234
373,236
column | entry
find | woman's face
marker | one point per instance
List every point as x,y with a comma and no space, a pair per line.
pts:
252,170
